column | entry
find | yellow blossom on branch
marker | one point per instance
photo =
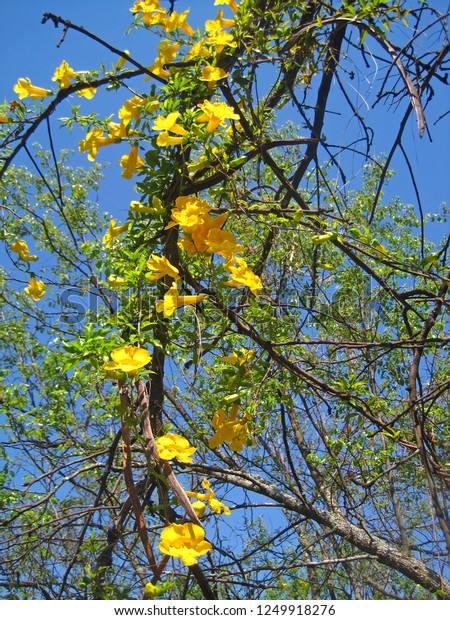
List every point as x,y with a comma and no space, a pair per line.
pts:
198,235
166,55
113,232
230,430
119,131
212,75
185,541
222,242
243,276
63,74
165,139
215,114
210,497
177,21
94,140
171,446
161,267
223,22
129,359
130,110
198,50
188,213
152,13
169,123
131,163
87,92
173,300
138,207
220,39
166,124
24,88
20,247
35,289
231,3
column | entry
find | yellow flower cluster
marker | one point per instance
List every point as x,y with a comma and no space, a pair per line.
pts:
185,541
154,15
63,74
230,430
204,234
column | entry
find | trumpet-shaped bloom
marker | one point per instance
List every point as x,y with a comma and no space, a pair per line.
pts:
173,300
243,276
87,92
166,55
220,39
188,213
215,114
231,3
165,139
131,109
222,242
161,267
210,497
94,140
24,88
129,359
131,163
169,123
138,207
63,74
185,541
177,21
171,446
113,232
167,51
212,75
166,124
152,13
230,430
119,131
20,247
198,50
219,22
35,289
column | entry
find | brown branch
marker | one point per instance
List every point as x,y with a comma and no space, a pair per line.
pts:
128,474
